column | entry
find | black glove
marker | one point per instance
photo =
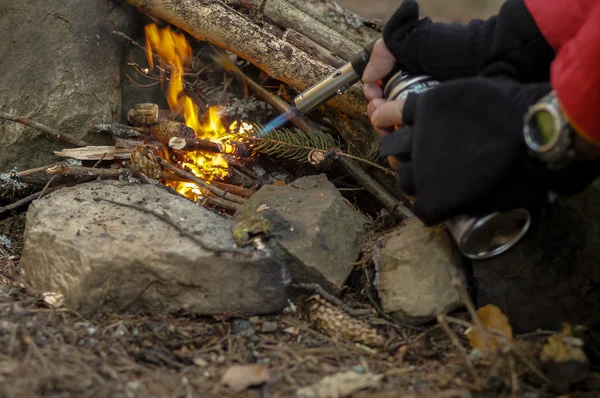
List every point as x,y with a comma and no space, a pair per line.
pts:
449,50
462,151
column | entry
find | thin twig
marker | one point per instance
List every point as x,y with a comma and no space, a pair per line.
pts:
466,300
46,186
444,323
99,161
318,289
30,123
29,172
26,200
165,217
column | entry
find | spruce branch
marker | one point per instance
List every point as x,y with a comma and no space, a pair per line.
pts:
295,144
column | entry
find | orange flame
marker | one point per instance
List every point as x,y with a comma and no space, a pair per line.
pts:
174,50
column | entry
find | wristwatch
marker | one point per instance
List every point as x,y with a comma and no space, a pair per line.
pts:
549,136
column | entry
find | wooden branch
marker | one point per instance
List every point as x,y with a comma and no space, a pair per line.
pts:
38,126
196,144
289,17
312,48
214,22
201,183
374,188
81,171
299,121
342,20
29,172
26,200
234,189
223,203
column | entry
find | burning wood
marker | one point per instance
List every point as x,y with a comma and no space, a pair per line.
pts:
194,144
216,23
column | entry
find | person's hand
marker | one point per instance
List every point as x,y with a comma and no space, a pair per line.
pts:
381,63
448,51
461,149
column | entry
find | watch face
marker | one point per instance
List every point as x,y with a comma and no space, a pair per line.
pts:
542,128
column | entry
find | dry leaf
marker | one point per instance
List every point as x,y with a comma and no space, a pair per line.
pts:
240,377
564,360
54,300
340,385
495,321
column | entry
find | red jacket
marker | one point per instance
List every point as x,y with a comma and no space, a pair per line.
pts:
572,28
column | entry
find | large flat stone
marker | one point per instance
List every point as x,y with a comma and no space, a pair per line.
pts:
415,266
60,66
316,228
107,257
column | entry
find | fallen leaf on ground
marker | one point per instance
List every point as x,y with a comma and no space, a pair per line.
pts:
492,320
240,377
564,360
52,299
340,385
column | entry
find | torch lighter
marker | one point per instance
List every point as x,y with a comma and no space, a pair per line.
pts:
334,84
476,237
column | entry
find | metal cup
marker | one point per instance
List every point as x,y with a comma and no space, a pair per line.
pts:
477,238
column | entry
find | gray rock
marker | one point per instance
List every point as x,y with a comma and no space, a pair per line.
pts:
415,266
60,66
315,229
552,276
103,256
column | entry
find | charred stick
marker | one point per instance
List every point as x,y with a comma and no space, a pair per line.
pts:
120,130
223,203
234,189
48,130
201,183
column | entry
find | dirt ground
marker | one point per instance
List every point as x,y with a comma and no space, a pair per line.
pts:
55,352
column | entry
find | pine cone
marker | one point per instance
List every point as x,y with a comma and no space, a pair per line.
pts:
146,163
336,322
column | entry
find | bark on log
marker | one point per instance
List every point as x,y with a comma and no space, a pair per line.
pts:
289,17
342,20
310,47
214,22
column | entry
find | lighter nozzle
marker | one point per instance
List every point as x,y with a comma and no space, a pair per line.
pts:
323,91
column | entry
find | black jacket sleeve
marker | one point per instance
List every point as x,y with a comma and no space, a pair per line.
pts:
450,50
